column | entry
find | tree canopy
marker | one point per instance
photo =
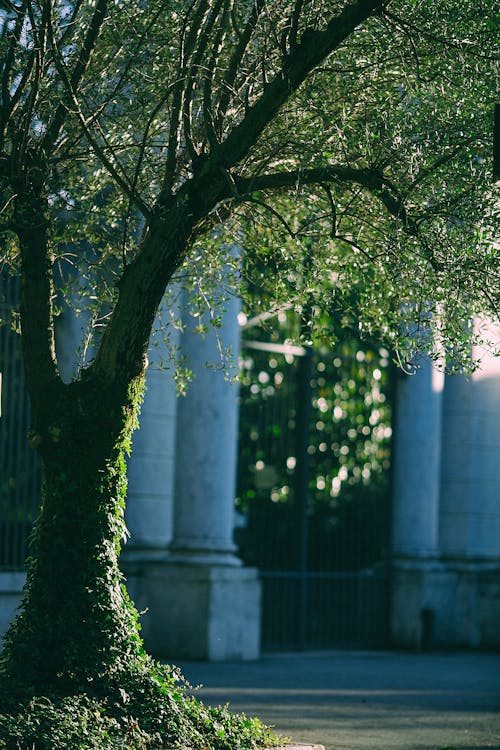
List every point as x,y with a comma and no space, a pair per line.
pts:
363,128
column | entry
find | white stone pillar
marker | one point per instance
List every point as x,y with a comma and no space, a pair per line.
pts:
470,502
72,332
470,481
203,604
151,466
417,451
454,600
206,446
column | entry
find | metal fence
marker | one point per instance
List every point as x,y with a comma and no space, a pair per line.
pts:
19,471
322,552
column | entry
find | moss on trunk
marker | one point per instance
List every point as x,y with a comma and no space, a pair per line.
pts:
77,628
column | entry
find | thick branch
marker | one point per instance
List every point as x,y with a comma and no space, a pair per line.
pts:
237,56
369,178
313,49
121,354
30,224
294,22
372,180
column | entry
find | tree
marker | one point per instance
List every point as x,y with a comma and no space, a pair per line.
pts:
128,134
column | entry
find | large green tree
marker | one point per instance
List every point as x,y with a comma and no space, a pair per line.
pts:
347,143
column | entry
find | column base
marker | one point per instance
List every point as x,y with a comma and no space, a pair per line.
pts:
190,556
438,604
195,610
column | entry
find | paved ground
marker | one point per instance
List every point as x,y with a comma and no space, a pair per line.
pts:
353,700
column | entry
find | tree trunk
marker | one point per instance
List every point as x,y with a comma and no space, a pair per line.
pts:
77,629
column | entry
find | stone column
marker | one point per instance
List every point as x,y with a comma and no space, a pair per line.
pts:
202,603
470,503
470,491
71,332
417,459
150,474
206,447
151,466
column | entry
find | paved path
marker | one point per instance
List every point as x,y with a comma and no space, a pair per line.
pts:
354,700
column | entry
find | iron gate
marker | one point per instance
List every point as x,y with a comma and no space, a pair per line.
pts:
318,531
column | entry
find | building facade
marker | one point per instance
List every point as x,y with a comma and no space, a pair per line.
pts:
197,599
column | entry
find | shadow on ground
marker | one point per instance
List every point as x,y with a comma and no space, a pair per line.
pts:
348,700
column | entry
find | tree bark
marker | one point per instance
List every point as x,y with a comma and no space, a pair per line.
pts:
77,629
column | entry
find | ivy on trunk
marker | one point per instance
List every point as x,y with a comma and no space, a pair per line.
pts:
78,628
